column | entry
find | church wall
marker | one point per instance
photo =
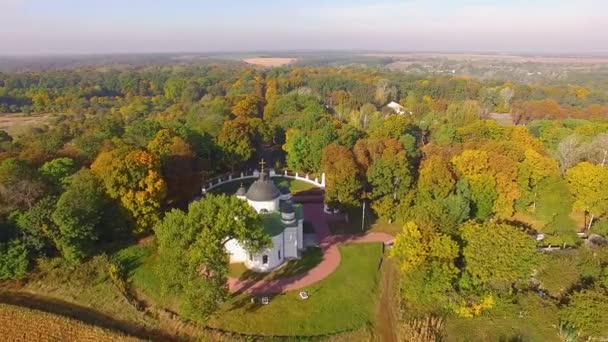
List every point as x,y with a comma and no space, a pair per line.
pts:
291,242
270,206
300,234
235,251
257,264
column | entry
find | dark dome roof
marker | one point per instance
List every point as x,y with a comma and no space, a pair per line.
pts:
286,207
263,190
241,191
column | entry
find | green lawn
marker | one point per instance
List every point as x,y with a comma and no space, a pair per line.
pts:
294,185
345,300
310,258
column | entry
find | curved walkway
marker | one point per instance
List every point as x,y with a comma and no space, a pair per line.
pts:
331,257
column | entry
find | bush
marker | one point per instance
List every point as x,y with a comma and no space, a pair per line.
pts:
14,260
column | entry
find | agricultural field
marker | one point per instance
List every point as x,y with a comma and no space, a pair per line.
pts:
269,61
22,324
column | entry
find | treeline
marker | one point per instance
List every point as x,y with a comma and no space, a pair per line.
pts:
129,144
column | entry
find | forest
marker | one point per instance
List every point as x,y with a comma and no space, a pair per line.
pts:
490,215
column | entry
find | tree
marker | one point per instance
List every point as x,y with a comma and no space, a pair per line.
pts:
236,139
133,177
58,171
533,170
390,175
499,255
14,260
569,152
589,185
191,248
247,106
427,263
343,178
78,216
5,137
436,178
177,163
586,310
20,186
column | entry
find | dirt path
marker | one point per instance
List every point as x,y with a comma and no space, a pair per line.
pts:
331,257
385,318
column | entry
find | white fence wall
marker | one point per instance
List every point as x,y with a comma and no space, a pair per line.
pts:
227,178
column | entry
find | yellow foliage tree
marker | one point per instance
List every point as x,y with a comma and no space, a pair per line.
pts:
133,178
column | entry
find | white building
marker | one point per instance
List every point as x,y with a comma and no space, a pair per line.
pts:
397,108
283,221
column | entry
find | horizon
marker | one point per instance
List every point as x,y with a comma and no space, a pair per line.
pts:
68,27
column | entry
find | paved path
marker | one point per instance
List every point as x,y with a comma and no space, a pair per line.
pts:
331,256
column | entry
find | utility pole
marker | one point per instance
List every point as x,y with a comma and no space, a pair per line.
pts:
363,217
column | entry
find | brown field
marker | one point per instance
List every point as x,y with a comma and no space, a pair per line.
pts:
269,61
16,124
497,57
22,324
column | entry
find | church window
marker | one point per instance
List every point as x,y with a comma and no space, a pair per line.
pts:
279,255
265,260
250,256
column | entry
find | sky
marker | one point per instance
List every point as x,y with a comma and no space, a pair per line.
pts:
142,26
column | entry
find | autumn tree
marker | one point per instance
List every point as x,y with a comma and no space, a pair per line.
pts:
499,255
426,261
177,162
236,139
588,184
134,178
343,177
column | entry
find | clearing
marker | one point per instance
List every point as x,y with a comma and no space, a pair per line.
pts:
269,61
17,124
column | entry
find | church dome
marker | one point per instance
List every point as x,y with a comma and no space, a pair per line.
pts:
263,190
241,192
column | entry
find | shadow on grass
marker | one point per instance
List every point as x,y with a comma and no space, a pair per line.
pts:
310,258
246,303
83,314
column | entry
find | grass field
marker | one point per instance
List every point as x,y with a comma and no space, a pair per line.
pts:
21,324
311,258
529,319
294,185
17,124
346,300
372,224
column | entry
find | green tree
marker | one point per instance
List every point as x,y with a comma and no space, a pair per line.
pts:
586,310
78,216
58,171
14,259
191,248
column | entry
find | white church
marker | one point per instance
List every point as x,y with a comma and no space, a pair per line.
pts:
282,219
